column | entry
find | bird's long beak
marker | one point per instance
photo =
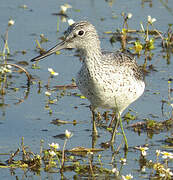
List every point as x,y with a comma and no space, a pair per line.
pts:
61,45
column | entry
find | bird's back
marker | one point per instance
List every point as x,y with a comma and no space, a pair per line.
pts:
125,60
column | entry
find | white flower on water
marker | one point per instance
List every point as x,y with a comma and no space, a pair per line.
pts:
165,172
127,177
115,171
9,66
151,20
47,93
52,153
123,161
143,150
65,7
89,153
11,22
5,69
143,169
71,21
129,15
158,152
52,72
167,155
169,172
68,134
54,145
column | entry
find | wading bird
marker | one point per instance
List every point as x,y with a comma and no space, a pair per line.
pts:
110,80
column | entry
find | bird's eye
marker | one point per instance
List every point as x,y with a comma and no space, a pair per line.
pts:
81,32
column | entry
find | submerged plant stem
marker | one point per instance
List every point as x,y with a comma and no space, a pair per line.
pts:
63,155
57,24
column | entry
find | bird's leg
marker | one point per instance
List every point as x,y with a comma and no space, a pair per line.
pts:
115,115
119,121
94,129
94,123
112,120
116,120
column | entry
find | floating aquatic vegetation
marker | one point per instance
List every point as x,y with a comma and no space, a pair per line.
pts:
57,159
143,41
9,70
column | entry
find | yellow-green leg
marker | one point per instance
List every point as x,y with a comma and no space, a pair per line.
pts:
94,124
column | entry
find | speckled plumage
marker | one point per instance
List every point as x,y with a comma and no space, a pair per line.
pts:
112,83
109,80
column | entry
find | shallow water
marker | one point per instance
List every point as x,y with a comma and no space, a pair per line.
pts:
32,121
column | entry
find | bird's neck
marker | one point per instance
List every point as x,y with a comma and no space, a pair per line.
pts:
91,55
